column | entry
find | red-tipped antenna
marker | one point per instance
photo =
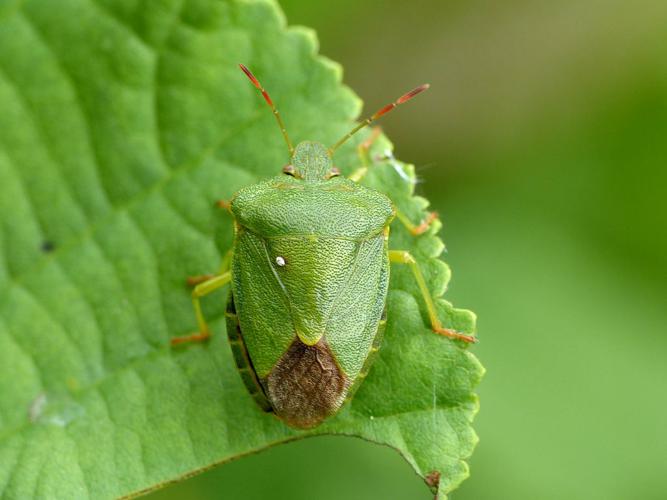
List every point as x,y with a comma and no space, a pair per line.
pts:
268,100
383,111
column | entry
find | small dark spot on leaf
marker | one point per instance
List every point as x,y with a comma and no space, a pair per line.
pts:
48,246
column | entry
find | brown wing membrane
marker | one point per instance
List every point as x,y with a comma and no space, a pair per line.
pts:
306,385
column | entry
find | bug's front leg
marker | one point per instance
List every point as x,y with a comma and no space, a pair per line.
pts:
201,290
362,151
403,257
360,173
224,204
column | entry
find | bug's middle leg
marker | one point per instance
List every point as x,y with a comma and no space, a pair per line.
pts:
226,260
201,278
403,257
201,290
417,229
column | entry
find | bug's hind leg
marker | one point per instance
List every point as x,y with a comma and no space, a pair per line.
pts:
403,257
201,290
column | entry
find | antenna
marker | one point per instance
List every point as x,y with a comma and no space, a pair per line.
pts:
382,111
268,100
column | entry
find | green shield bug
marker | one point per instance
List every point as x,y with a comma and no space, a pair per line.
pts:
309,274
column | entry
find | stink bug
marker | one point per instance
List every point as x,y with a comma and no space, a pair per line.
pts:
309,273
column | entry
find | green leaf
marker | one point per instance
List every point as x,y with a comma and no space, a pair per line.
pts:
122,122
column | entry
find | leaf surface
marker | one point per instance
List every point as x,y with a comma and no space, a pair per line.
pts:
122,122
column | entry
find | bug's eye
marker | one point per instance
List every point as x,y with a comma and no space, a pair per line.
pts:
334,172
289,170
280,261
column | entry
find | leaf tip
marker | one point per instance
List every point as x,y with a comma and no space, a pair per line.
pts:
433,481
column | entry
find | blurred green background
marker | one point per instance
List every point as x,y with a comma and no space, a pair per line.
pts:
543,145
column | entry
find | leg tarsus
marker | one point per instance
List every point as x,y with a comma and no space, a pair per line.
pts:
362,151
425,224
224,204
372,137
198,292
195,337
422,227
453,334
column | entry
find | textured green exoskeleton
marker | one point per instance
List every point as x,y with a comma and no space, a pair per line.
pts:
309,273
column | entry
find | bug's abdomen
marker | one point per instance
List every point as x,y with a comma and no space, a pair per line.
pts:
241,357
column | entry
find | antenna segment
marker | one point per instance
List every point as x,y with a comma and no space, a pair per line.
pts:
268,100
382,111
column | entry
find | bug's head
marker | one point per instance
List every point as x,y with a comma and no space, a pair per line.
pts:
311,162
